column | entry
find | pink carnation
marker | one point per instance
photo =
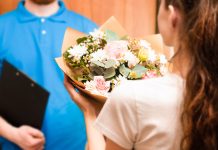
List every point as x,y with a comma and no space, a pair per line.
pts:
98,86
150,74
101,84
116,49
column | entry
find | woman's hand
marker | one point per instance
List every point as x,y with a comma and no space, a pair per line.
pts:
90,108
88,105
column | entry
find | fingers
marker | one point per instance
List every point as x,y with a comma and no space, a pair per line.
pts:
67,84
82,100
69,87
38,144
65,79
35,133
41,148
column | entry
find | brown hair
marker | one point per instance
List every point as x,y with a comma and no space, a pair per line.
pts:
199,38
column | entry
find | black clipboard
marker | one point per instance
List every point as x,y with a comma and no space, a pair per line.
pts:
22,101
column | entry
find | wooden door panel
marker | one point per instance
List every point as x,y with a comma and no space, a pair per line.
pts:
137,16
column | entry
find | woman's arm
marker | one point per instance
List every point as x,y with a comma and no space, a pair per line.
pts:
110,145
96,140
91,108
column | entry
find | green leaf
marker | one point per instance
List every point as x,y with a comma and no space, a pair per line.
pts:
109,73
97,70
103,43
81,40
110,63
91,76
82,78
112,36
124,70
137,72
139,68
98,63
124,37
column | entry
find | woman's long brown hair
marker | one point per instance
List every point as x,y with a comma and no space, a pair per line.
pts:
199,38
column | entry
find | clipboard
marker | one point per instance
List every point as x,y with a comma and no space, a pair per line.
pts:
22,101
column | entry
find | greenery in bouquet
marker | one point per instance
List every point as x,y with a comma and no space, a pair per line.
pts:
102,60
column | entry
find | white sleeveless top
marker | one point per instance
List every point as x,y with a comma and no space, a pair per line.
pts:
144,114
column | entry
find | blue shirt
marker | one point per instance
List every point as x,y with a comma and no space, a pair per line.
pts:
31,44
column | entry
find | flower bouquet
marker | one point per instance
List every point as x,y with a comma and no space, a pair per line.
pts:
106,57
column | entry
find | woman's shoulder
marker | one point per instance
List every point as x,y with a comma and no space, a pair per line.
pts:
162,90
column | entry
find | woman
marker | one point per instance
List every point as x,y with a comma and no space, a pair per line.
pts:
177,111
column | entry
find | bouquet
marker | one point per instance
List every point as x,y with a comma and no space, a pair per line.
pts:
100,61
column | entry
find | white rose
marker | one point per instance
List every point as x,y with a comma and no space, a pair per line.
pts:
99,55
152,55
145,44
163,59
77,51
97,34
131,59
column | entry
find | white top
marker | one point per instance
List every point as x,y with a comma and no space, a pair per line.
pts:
144,114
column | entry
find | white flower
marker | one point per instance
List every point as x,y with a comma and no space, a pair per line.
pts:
131,59
120,79
102,56
90,86
97,34
117,63
163,70
163,59
145,44
152,55
77,51
99,55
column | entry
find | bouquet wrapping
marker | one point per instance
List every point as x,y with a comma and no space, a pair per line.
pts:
106,57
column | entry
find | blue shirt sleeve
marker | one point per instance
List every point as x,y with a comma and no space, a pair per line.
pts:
80,22
89,26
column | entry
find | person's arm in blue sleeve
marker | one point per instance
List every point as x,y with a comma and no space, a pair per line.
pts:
89,26
25,137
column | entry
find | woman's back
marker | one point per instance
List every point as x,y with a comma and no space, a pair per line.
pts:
144,114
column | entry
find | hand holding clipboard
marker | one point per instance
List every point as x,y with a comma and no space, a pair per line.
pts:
22,101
